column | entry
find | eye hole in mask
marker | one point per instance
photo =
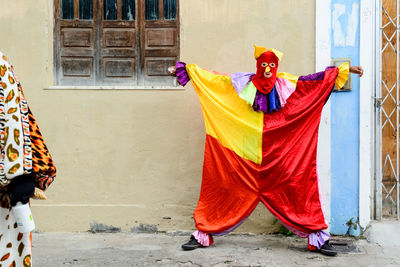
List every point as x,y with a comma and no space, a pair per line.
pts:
264,64
272,65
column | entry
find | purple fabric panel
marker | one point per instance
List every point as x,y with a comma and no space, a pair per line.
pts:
330,67
240,80
318,239
230,229
181,73
267,103
315,76
260,102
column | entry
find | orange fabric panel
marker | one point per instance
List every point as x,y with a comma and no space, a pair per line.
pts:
229,190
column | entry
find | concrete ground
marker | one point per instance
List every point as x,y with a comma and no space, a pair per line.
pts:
133,249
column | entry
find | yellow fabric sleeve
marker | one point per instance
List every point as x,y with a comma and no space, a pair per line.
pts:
343,75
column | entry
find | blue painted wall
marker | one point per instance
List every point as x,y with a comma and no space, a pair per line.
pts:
345,119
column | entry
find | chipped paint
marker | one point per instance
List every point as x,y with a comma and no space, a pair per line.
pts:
345,118
345,22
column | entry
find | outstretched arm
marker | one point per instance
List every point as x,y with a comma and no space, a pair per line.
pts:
179,71
353,69
357,70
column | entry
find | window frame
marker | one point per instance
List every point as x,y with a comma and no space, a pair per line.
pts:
97,24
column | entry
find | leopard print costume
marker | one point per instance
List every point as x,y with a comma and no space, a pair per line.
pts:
22,151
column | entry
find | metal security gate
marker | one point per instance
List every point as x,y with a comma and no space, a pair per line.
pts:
387,110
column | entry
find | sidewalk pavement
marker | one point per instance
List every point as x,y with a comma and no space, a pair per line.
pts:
133,249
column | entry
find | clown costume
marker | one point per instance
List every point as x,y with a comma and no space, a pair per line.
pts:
261,145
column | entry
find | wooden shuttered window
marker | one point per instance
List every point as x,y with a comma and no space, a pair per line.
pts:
115,42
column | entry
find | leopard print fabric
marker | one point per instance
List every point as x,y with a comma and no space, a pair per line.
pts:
33,154
42,163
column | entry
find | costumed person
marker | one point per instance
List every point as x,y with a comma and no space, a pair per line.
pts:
261,145
26,169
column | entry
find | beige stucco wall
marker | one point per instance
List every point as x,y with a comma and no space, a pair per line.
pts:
126,157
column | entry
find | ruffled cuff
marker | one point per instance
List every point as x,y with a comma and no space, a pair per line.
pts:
343,75
181,73
318,239
203,238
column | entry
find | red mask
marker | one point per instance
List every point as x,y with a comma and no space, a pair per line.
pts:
267,67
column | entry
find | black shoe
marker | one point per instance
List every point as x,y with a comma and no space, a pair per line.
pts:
192,244
327,249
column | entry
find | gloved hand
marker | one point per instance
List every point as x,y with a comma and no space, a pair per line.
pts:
21,188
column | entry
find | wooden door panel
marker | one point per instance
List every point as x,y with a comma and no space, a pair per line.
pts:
77,67
164,38
160,42
77,55
118,46
77,37
73,52
119,53
156,71
76,47
119,68
158,66
119,38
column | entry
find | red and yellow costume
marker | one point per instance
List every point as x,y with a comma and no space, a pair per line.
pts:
261,144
